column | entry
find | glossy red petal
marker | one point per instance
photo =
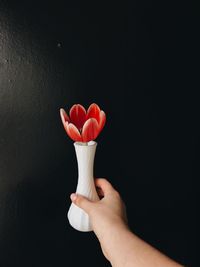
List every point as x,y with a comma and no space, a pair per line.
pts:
73,132
78,115
90,130
64,116
93,112
102,120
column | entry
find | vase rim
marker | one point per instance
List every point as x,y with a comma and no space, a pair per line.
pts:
90,143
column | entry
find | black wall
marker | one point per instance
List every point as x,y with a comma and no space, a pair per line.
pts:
127,58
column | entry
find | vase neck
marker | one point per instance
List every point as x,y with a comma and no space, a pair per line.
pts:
85,158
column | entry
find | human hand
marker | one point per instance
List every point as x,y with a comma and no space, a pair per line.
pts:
107,213
119,245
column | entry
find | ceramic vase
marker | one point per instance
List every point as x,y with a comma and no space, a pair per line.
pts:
85,154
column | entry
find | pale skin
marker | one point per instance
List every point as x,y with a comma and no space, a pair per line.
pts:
119,244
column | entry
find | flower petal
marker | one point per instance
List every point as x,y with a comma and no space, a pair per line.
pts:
93,112
102,120
73,132
90,130
78,115
64,116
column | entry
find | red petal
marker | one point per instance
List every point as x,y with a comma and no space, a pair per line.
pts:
102,120
93,112
90,130
73,132
63,116
78,115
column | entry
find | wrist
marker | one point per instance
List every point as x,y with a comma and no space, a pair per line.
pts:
111,240
110,228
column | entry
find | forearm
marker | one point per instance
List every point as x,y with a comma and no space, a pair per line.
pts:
124,249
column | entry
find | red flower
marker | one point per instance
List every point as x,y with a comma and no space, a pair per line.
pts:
82,126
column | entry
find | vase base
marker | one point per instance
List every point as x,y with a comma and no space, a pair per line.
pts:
81,229
79,219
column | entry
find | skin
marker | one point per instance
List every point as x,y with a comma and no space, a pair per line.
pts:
109,221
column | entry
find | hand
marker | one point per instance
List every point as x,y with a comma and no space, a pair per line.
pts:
119,245
105,214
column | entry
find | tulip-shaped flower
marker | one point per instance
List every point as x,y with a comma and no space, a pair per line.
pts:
82,125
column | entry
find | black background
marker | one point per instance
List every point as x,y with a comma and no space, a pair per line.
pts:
131,59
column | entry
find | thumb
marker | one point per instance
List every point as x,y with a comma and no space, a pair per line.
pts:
82,202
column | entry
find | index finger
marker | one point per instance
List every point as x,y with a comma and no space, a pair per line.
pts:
105,186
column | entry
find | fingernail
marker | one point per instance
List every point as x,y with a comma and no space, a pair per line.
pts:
73,197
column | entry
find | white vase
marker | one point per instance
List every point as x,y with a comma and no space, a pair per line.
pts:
85,154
